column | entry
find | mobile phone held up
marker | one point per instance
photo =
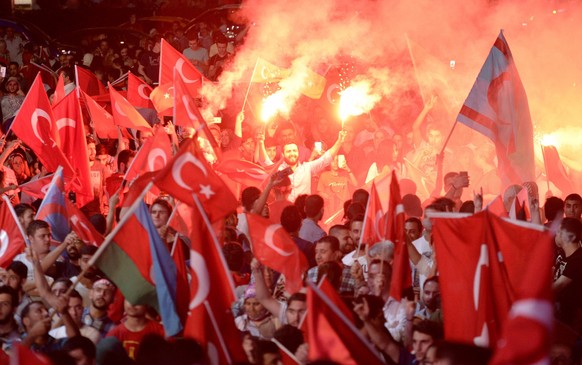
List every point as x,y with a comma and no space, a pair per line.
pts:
285,172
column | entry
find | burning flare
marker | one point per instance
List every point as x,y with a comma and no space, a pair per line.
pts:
274,104
357,100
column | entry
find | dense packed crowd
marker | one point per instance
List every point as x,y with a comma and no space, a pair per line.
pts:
318,189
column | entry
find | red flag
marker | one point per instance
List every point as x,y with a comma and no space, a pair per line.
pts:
124,114
162,98
88,82
181,219
102,121
527,334
210,320
170,58
332,336
182,286
489,258
401,275
273,247
11,235
555,170
34,125
138,92
59,93
152,156
497,107
243,171
69,122
81,225
497,207
37,188
188,175
371,228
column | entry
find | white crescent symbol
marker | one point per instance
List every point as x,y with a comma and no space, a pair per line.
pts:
153,155
180,162
330,91
45,188
198,265
118,108
186,100
141,92
82,226
483,261
66,122
4,240
179,66
34,121
269,233
264,73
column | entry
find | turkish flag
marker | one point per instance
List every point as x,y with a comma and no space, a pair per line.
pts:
124,114
371,228
555,170
243,171
188,175
490,260
88,82
59,93
182,286
332,336
102,121
162,98
35,126
69,122
22,355
182,218
210,320
138,92
81,225
37,188
497,207
273,247
11,236
401,275
171,59
153,155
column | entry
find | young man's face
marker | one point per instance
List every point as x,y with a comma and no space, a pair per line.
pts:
291,154
572,209
420,344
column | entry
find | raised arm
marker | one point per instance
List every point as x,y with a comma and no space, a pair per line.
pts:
416,132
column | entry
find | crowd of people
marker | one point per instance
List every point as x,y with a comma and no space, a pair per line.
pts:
318,191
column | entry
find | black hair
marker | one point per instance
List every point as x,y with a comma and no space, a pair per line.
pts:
433,329
552,207
291,219
35,225
289,336
81,343
313,205
5,289
19,268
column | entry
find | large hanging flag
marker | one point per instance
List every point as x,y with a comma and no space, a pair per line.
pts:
53,210
490,259
138,92
189,177
497,107
139,263
124,114
12,240
35,126
274,248
69,121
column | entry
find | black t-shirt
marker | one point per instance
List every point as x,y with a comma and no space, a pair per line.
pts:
151,63
571,297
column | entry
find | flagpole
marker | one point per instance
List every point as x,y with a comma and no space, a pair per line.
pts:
449,136
217,331
250,83
174,245
286,350
414,67
214,240
545,168
11,208
126,216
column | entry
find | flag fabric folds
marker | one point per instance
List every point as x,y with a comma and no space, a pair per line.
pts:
171,59
102,120
372,227
491,260
274,248
265,71
88,82
555,170
138,92
53,210
124,114
497,107
12,241
243,171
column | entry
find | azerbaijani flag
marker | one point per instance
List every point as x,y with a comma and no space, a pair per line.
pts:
139,263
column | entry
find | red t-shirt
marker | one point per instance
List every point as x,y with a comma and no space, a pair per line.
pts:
131,340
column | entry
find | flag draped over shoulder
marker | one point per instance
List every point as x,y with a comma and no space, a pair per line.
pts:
497,107
139,263
274,248
496,265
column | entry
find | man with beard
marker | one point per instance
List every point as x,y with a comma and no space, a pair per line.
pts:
8,327
303,171
101,296
429,308
72,266
342,233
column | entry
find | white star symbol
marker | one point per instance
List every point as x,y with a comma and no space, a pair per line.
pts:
206,190
166,95
107,115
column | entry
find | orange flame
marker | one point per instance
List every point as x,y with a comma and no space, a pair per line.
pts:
357,100
272,105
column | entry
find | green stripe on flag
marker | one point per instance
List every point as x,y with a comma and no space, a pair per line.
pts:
121,269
